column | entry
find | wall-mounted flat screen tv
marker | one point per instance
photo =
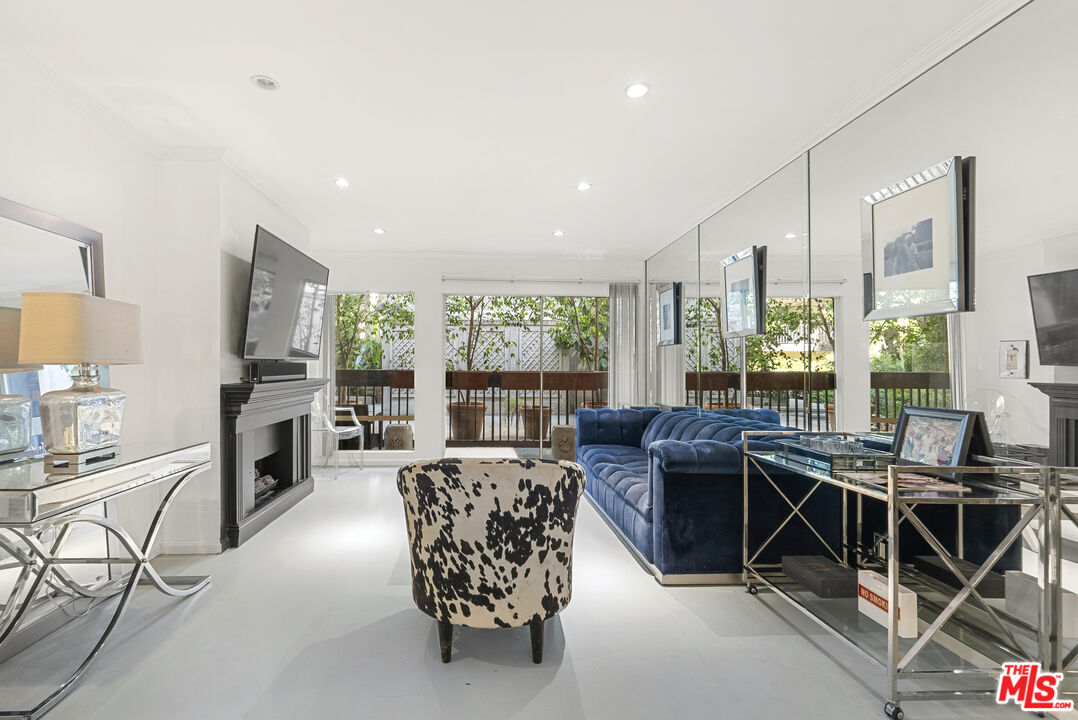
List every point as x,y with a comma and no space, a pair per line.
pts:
287,300
1055,316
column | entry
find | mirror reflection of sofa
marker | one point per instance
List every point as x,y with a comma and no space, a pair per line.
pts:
672,485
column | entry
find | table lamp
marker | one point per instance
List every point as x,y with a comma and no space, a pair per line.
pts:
15,410
87,331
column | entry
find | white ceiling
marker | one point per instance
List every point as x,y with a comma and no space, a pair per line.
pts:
466,126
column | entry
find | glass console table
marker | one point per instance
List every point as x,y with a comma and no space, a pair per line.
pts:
38,512
962,637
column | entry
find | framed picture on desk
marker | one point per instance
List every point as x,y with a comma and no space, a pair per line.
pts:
940,436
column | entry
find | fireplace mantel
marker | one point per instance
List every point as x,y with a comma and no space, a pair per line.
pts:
265,425
1063,422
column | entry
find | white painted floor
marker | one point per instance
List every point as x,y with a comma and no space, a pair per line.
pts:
313,618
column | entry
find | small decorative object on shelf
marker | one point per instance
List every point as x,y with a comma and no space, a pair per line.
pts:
872,602
834,453
87,331
825,578
990,586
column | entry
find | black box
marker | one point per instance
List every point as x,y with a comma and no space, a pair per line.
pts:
991,586
823,577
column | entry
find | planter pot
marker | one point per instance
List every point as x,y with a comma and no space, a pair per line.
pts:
536,421
466,420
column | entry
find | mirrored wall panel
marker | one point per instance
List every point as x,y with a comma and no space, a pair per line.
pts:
1005,99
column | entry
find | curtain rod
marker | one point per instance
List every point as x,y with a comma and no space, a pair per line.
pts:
567,281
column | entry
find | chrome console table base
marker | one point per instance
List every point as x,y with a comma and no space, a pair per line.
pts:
44,565
1045,503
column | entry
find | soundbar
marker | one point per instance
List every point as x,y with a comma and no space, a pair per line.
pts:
260,372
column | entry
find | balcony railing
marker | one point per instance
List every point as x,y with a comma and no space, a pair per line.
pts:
787,393
519,407
891,391
797,404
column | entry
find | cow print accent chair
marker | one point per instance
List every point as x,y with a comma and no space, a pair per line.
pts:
491,542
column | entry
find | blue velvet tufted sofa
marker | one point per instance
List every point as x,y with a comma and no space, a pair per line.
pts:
672,483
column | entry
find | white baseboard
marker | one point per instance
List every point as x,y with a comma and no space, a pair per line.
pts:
189,547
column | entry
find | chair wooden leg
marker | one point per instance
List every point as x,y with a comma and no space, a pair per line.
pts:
445,639
537,640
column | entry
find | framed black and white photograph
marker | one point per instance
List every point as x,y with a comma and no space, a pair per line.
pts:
744,279
917,243
670,315
1014,359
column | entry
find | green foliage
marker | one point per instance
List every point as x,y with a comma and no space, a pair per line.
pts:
790,322
910,345
364,323
577,325
483,349
580,327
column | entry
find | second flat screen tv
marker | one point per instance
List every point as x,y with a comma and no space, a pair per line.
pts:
287,300
1055,316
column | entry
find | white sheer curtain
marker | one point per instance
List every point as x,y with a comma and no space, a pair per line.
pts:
326,367
622,367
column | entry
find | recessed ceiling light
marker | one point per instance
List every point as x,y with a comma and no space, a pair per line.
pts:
379,231
790,236
341,182
637,90
265,82
558,233
584,186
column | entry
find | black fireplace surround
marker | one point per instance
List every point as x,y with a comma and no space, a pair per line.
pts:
266,429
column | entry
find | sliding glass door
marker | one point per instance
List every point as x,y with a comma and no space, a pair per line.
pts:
519,365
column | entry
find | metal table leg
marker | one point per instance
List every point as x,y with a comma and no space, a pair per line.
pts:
44,562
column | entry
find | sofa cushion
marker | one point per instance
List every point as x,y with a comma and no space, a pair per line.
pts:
606,426
766,415
624,469
688,426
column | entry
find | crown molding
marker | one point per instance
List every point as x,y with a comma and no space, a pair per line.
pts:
15,56
108,117
267,189
987,17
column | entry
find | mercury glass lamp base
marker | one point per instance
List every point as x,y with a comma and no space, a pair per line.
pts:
14,423
82,418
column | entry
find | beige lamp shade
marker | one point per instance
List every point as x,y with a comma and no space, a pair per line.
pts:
73,328
9,342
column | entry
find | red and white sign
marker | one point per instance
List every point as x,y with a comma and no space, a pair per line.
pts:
1031,689
872,601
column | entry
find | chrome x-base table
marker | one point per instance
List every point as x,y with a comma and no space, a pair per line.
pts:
39,510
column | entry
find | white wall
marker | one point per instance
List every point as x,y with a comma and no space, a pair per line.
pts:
431,277
178,226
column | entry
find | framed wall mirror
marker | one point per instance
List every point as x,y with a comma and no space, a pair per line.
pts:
40,252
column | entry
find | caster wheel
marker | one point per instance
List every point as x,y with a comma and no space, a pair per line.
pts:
753,590
892,710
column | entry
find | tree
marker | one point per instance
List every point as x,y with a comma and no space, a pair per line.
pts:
467,315
580,326
366,322
916,344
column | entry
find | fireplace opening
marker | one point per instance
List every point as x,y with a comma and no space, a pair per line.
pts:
271,473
